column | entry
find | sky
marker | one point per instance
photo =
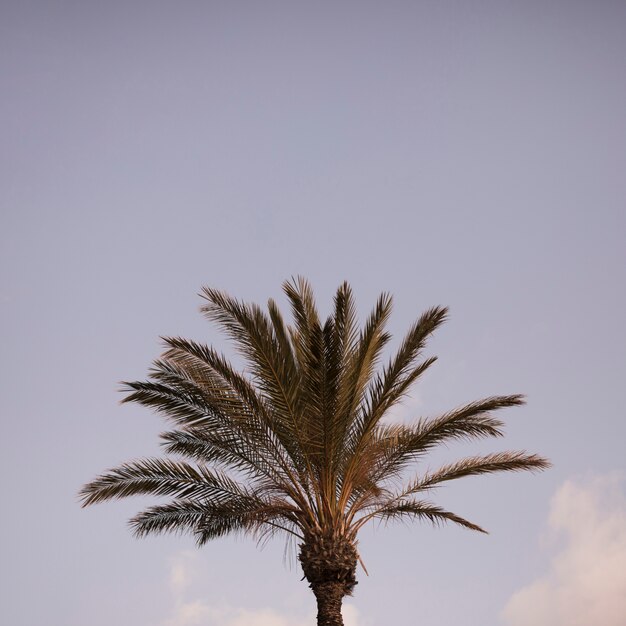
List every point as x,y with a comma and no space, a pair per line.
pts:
468,154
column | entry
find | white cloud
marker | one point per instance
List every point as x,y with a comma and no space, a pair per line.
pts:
193,612
586,583
350,615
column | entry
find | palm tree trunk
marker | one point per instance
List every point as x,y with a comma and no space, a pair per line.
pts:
329,596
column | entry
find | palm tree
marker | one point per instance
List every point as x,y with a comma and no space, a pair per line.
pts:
297,443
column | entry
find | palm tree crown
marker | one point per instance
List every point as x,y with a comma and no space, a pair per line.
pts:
297,443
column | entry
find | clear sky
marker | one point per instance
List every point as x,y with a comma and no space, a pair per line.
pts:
471,154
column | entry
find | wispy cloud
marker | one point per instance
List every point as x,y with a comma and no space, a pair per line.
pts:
586,582
194,612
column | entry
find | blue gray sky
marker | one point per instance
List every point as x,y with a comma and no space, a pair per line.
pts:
470,154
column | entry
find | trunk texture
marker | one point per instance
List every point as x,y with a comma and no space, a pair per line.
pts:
329,564
329,596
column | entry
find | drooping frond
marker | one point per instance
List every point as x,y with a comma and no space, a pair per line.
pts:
162,477
208,521
230,453
176,404
476,465
179,516
421,510
381,504
395,447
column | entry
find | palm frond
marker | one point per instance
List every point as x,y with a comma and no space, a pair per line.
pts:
198,399
175,404
396,447
193,355
396,379
363,358
161,477
387,389
295,443
242,411
230,453
307,338
476,465
208,521
422,510
253,334
345,321
180,516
